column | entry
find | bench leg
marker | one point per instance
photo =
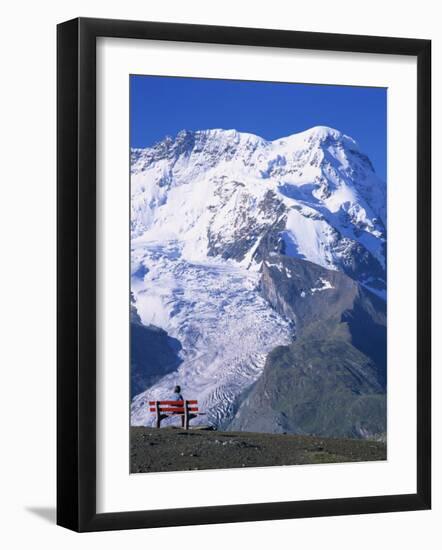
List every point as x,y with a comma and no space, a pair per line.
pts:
186,415
157,406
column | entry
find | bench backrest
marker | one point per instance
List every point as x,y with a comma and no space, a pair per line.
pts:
173,406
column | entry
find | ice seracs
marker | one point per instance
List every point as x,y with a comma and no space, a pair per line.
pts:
225,327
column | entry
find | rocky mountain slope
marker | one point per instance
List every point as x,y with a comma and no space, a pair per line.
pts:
332,379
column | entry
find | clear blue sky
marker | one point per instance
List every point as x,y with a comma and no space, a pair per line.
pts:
163,106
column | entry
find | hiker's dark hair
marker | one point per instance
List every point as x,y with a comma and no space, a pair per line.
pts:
177,389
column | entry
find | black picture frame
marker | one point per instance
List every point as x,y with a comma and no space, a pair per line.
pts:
76,274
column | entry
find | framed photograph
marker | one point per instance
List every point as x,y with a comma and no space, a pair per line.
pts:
243,274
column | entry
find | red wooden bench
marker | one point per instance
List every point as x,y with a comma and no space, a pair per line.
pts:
187,409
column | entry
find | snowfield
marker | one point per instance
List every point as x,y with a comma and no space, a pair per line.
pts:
203,203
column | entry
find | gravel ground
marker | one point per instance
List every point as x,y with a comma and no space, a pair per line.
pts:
174,449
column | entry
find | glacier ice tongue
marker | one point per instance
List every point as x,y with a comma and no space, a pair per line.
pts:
224,326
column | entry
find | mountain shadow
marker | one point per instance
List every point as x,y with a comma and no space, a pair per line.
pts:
153,354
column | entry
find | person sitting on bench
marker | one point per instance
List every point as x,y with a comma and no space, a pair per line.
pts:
178,397
175,405
177,394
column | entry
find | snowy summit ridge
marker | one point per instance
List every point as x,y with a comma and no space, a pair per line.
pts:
205,206
218,191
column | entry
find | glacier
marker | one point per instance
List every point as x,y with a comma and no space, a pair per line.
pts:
225,327
205,205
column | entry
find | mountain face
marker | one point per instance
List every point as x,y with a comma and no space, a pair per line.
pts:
332,380
240,246
321,386
317,300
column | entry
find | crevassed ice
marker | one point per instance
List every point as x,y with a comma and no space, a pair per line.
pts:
225,327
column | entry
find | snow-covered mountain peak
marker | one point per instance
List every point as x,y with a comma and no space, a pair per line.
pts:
209,146
314,134
218,192
318,137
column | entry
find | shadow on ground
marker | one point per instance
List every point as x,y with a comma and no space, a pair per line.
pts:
46,513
